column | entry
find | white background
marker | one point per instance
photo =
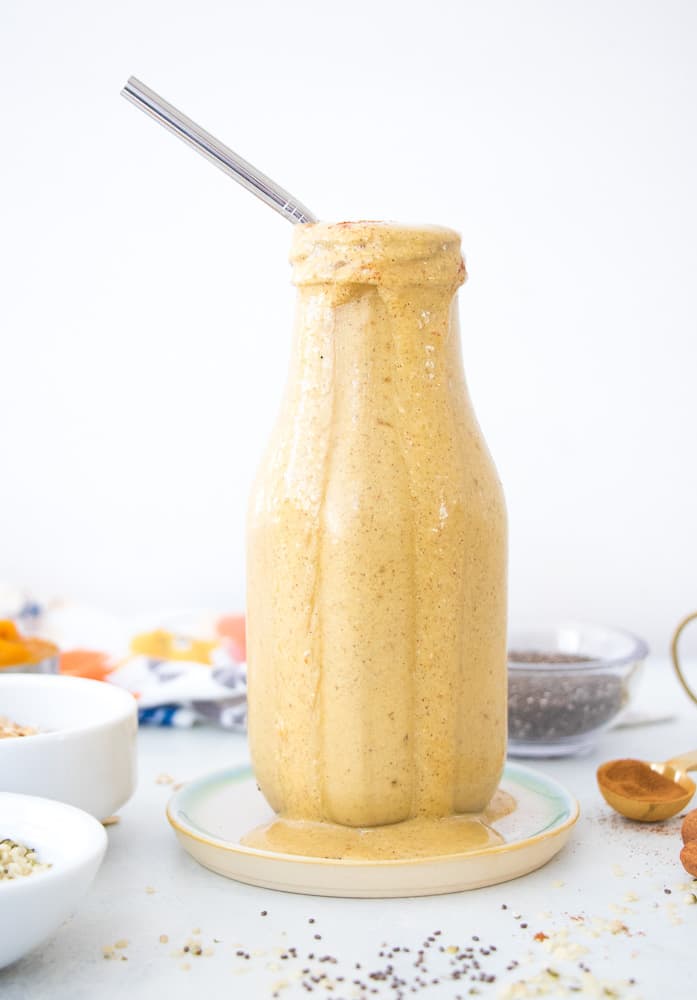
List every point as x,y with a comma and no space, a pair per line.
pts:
146,306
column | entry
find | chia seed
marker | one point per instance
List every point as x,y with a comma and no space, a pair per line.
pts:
530,656
552,706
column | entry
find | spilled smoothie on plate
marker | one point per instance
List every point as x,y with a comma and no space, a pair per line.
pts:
377,564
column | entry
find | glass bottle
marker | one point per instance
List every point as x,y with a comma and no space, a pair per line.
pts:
377,546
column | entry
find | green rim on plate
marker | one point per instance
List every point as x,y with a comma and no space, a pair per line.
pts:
182,808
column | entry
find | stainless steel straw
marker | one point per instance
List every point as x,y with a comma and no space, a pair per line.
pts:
215,151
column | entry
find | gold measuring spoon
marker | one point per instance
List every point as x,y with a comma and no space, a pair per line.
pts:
641,806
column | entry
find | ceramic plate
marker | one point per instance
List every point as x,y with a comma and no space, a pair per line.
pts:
211,814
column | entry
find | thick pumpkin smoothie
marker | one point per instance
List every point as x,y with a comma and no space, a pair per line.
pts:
376,560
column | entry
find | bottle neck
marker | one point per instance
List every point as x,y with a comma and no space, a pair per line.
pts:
377,253
354,334
375,305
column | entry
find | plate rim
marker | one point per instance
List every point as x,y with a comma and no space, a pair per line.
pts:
243,771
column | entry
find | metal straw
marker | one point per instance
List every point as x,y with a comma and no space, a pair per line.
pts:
215,151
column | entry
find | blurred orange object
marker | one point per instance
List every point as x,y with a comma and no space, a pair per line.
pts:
12,647
18,650
232,628
86,663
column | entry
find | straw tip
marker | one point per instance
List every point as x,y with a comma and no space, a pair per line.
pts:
132,83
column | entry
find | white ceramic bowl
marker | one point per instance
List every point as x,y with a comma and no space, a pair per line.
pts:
85,754
33,907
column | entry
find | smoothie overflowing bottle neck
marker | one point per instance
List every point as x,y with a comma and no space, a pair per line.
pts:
375,312
376,253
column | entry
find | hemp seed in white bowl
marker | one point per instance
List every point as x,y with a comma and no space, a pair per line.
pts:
18,861
49,855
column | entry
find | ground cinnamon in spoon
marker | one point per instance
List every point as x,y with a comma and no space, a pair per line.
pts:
635,780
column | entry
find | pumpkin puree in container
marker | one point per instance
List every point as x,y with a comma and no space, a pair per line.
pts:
17,650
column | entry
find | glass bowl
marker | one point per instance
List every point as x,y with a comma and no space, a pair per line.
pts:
567,684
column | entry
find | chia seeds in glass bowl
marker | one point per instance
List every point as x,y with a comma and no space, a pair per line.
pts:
567,684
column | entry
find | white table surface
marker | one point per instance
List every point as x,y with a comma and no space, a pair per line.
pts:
623,884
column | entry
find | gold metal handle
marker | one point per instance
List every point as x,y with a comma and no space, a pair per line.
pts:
676,659
685,762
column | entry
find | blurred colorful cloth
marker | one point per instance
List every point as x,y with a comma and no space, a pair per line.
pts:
183,668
